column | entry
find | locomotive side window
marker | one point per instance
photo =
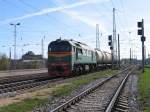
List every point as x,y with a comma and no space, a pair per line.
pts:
79,51
86,52
83,51
89,53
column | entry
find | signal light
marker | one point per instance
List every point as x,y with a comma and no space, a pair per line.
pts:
110,37
109,43
140,26
111,48
140,31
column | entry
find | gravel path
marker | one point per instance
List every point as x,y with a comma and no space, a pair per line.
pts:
127,100
133,92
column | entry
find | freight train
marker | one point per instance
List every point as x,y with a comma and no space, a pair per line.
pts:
69,57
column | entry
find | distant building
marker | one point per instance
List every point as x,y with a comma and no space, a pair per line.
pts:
30,56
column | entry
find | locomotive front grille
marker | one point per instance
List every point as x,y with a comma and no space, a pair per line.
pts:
59,69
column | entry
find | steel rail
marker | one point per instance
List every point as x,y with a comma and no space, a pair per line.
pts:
26,85
11,79
15,83
84,93
114,98
17,86
19,89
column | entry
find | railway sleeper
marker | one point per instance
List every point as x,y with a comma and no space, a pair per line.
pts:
123,106
123,100
122,103
86,109
120,110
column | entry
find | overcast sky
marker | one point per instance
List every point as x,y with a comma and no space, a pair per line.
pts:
72,19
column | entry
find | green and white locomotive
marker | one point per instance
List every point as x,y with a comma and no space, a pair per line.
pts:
69,57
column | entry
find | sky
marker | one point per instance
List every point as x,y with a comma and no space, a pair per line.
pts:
72,19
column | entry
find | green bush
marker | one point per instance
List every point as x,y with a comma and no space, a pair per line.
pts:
4,62
27,65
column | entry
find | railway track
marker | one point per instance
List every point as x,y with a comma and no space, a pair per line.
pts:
100,97
12,79
121,104
16,87
119,101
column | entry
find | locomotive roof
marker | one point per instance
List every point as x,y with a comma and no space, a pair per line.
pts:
80,44
76,43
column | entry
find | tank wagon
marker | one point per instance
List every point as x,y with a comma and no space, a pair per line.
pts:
69,57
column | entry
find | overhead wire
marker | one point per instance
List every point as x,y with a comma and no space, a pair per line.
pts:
127,22
124,12
117,17
13,4
119,24
66,26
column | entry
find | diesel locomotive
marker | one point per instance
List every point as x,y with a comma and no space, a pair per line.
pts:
69,57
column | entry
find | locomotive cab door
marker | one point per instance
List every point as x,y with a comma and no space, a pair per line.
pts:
92,55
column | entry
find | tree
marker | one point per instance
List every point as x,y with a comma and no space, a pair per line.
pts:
4,62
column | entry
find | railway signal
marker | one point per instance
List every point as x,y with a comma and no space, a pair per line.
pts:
111,48
140,25
141,32
110,41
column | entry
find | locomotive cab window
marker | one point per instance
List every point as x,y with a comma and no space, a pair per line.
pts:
74,49
59,47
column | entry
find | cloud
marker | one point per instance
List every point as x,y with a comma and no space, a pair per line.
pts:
85,19
50,10
83,16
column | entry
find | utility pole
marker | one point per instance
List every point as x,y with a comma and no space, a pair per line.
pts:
148,55
144,54
130,41
15,35
97,37
118,51
10,58
22,48
141,32
10,53
130,56
42,48
114,41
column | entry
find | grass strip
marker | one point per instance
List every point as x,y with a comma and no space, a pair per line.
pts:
144,89
81,80
23,106
58,91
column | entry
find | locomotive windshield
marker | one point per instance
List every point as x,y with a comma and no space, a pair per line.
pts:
59,47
